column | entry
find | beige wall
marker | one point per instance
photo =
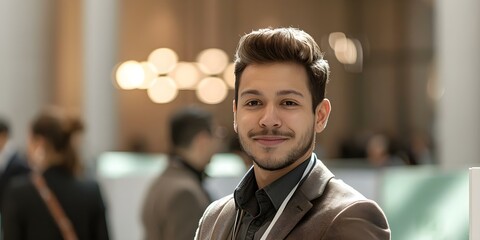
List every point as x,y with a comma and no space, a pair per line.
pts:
389,95
68,56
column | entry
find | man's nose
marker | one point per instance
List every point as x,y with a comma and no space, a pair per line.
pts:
270,118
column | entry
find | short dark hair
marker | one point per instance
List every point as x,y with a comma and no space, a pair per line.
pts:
4,127
186,123
271,45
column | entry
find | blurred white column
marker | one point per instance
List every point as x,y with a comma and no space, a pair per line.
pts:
100,26
475,203
458,68
26,61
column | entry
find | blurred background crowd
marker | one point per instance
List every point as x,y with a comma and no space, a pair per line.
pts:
403,128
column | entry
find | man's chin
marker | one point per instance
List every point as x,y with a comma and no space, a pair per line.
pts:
270,164
271,168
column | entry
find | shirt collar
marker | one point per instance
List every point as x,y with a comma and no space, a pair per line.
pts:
276,191
245,189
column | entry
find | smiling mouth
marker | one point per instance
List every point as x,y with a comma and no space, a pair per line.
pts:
269,141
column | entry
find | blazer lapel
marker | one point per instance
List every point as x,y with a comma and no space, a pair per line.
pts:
296,208
224,222
300,203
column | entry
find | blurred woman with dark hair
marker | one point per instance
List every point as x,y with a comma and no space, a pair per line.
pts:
54,203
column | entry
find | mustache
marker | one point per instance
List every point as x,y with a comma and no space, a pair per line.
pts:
271,132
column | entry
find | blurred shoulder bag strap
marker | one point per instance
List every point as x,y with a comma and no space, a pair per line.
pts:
54,207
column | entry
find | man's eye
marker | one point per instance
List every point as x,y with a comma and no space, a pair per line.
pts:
253,103
290,103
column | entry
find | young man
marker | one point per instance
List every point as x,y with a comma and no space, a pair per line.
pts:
176,199
279,106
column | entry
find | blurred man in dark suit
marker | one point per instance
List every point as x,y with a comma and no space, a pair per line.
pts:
176,198
12,162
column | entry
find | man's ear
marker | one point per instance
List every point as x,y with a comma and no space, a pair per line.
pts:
234,107
322,112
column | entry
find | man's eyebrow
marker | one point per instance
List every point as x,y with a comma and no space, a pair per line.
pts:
250,92
288,92
279,93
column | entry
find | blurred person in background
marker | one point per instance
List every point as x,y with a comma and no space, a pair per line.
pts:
420,149
176,199
279,107
380,153
54,202
12,162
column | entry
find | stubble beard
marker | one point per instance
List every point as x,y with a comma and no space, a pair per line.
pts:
293,156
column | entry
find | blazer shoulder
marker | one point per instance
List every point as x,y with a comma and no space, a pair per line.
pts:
353,211
19,191
220,205
17,164
217,219
90,187
348,193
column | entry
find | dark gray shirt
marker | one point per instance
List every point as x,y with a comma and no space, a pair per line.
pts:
258,206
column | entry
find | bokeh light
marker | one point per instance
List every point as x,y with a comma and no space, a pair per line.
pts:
164,60
186,75
212,61
229,75
212,90
150,73
345,51
334,37
163,90
130,75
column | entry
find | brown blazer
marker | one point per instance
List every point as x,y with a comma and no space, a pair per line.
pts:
322,208
174,204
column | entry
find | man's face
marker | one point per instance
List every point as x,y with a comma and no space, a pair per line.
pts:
3,140
273,116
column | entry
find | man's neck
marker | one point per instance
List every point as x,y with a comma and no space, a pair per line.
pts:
188,156
179,159
266,177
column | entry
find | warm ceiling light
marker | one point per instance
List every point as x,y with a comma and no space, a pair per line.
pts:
163,76
164,60
229,75
346,51
163,90
186,75
130,75
334,37
150,73
212,61
211,90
